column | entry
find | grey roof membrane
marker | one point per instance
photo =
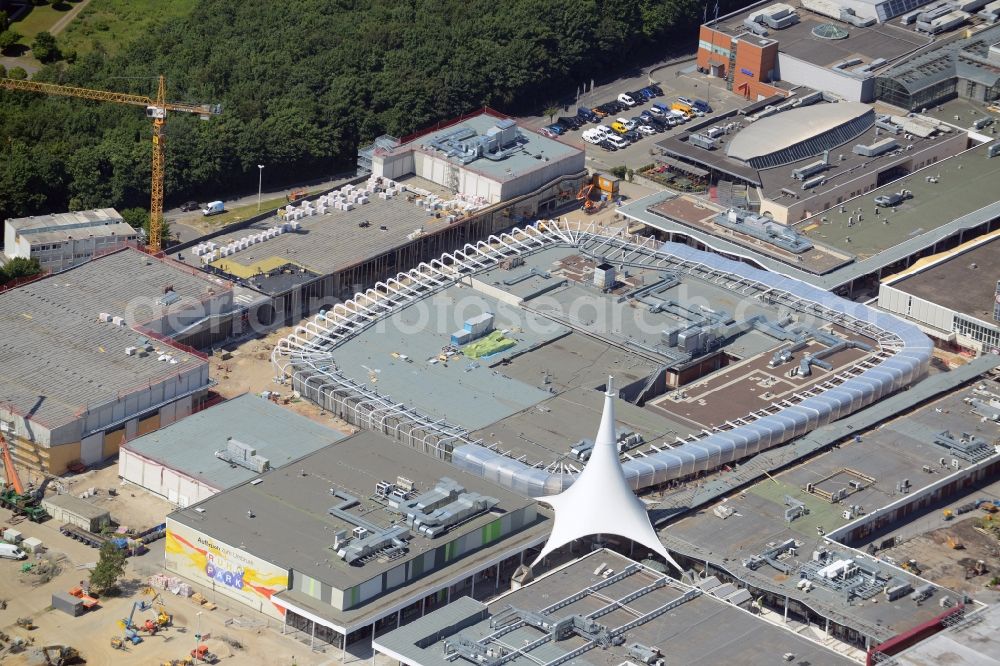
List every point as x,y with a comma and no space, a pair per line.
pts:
292,526
961,199
189,445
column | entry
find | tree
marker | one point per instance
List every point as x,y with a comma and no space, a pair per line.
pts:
45,48
18,73
550,111
8,38
110,568
138,218
19,267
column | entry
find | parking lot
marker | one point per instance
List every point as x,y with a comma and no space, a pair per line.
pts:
676,80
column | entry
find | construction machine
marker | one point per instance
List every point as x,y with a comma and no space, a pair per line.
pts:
156,110
911,566
60,655
13,494
163,618
954,543
202,654
977,569
129,629
295,195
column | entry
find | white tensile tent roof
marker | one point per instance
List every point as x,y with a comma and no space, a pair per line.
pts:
601,501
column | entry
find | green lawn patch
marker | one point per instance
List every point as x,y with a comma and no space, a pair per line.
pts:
116,23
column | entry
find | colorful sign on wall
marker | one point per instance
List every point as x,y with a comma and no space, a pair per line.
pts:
231,571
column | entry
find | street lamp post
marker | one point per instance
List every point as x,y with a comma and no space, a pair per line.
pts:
197,636
260,180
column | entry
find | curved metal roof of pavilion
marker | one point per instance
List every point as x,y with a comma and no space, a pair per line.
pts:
799,133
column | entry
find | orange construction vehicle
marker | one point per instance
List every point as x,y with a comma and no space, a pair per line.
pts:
202,654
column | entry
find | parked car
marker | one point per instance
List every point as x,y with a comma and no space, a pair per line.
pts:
632,136
627,100
593,136
617,141
568,123
619,127
662,124
650,92
607,145
599,112
702,105
657,124
655,88
639,96
686,100
587,115
663,108
645,130
213,208
190,205
629,123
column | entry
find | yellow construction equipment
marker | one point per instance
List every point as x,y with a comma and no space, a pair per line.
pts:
155,109
954,543
948,514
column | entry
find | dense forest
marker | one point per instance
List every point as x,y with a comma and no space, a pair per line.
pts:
302,82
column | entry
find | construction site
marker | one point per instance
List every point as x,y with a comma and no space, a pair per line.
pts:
351,428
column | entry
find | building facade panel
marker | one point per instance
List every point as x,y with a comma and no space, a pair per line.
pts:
229,570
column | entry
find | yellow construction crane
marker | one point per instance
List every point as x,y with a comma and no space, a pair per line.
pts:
155,109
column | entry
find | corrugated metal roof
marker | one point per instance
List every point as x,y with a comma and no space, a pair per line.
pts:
57,360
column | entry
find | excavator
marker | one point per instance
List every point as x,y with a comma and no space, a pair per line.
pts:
589,206
13,494
607,189
163,618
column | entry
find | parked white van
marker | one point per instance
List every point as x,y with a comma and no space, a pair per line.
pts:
11,552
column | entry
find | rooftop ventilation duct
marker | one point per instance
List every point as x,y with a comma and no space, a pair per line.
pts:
876,149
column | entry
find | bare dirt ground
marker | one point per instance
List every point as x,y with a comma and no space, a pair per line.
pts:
91,633
132,507
946,566
249,370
